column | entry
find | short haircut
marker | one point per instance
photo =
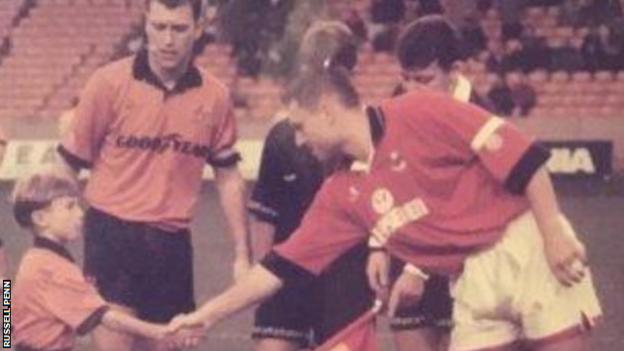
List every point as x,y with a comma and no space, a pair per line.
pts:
328,43
196,6
37,190
429,39
308,88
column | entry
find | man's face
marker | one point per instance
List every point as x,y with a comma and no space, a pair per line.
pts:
63,218
171,33
430,77
316,130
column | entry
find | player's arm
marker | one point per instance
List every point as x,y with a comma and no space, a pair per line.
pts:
323,236
565,254
86,131
266,202
126,323
518,163
257,285
231,188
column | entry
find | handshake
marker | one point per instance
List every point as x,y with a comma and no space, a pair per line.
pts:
183,331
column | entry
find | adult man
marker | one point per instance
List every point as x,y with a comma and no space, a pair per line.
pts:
288,179
146,126
428,50
449,189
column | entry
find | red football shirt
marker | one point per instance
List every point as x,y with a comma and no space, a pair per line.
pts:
445,180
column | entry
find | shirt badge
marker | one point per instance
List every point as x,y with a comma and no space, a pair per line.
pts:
398,164
290,177
382,200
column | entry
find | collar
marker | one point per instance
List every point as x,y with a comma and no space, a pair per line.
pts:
377,123
142,71
461,88
47,244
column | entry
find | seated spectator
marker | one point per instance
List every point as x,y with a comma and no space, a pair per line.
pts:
513,59
496,53
564,56
354,21
430,7
510,12
385,40
387,11
601,50
475,39
500,98
571,13
523,95
535,51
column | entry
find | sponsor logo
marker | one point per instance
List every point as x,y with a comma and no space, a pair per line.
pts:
291,177
382,200
398,217
398,164
568,160
494,143
161,144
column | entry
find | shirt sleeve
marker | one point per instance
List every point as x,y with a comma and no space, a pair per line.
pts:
508,155
89,127
223,136
265,200
70,298
326,232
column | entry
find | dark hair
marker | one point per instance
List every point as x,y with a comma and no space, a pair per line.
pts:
308,88
429,39
196,6
327,44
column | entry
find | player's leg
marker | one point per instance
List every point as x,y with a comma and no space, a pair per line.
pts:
344,293
108,252
167,281
422,339
426,325
282,323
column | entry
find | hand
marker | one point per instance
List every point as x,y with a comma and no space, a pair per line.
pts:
242,265
566,257
407,290
378,271
186,337
190,320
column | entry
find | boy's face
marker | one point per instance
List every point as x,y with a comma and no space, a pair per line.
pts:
62,219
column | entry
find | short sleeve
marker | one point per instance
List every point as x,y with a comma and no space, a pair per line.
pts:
508,155
265,202
326,232
223,136
69,297
89,127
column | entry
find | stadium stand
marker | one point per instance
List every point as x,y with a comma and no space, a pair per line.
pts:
52,46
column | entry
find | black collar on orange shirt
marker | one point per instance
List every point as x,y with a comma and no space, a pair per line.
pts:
142,71
47,244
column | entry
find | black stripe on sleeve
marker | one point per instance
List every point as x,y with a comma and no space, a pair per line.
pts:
287,271
225,162
75,162
521,174
263,214
92,321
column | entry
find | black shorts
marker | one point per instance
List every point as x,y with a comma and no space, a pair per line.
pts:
312,313
139,266
434,310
